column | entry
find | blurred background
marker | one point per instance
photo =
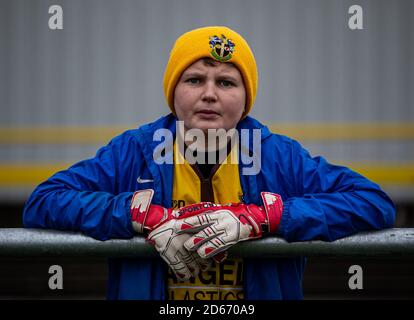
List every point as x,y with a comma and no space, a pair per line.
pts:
347,95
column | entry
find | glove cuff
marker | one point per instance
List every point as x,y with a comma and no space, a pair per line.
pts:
273,206
147,217
140,205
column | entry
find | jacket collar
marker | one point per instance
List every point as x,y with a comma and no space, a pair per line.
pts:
163,173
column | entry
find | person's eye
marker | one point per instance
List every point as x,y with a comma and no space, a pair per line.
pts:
193,80
226,83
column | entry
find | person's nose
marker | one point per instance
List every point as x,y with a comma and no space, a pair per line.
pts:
209,94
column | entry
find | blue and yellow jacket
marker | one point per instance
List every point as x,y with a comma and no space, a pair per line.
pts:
321,201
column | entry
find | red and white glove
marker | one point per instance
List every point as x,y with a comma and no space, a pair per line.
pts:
163,225
147,217
170,246
225,225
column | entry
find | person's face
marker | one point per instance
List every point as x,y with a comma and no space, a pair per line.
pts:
210,95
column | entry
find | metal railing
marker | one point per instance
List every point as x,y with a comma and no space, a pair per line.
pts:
388,243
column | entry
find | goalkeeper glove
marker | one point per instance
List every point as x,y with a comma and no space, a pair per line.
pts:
223,226
163,223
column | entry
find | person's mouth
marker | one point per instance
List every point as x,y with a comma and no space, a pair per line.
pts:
207,113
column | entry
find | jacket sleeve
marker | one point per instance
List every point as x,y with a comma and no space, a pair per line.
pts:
329,202
88,196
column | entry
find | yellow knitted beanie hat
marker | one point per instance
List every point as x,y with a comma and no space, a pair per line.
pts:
216,42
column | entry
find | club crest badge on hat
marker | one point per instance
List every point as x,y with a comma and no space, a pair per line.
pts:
222,48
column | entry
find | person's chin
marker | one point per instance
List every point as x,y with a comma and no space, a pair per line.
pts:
208,123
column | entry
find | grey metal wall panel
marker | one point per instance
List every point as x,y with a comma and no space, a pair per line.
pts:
106,66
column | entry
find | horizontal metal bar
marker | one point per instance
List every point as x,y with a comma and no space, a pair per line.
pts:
389,243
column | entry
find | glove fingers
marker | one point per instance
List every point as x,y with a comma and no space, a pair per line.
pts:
170,247
189,260
220,257
183,226
193,263
179,268
195,223
204,264
213,247
201,238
